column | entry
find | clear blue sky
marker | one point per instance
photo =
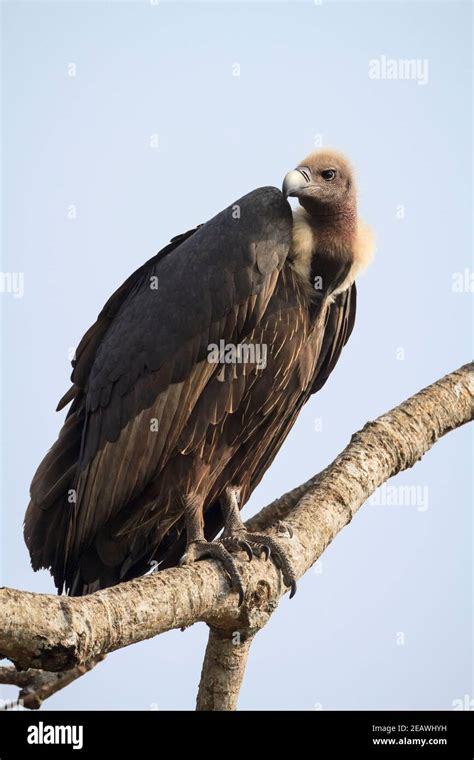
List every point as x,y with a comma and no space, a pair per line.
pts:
388,621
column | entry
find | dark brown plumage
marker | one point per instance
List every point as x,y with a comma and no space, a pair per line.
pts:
160,445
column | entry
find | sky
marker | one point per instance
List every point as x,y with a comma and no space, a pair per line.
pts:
125,123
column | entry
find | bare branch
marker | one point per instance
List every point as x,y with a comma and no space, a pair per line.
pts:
38,685
58,633
15,677
223,670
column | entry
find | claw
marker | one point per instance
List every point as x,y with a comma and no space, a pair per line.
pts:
250,543
238,544
197,550
269,545
248,549
293,589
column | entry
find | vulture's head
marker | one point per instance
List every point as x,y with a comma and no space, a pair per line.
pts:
323,179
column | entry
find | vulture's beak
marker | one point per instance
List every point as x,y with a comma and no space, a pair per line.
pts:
296,181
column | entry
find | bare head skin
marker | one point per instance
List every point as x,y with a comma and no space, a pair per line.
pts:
326,230
324,184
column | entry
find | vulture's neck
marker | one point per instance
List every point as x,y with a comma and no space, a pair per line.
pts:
329,248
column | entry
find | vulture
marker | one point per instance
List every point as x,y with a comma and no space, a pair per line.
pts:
185,388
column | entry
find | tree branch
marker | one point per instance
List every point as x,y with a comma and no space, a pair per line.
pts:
58,633
223,670
38,685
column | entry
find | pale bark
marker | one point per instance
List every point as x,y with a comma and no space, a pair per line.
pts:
38,685
58,633
223,669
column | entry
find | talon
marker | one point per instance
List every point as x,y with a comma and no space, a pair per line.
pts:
270,546
248,549
197,550
238,544
237,538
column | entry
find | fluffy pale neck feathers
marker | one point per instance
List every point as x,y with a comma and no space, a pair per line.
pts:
352,244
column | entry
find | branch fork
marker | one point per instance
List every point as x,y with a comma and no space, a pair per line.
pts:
53,640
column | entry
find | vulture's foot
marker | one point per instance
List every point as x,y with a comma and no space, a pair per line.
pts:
196,550
268,546
236,537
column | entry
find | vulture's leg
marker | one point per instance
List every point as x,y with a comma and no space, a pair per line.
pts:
236,537
198,548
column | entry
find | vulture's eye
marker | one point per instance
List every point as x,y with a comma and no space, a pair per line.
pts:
328,174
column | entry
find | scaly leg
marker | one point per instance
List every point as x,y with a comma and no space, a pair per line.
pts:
198,548
236,537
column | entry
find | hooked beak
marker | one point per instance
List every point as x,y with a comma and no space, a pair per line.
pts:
296,181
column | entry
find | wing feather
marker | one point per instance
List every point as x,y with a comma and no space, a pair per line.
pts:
146,357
